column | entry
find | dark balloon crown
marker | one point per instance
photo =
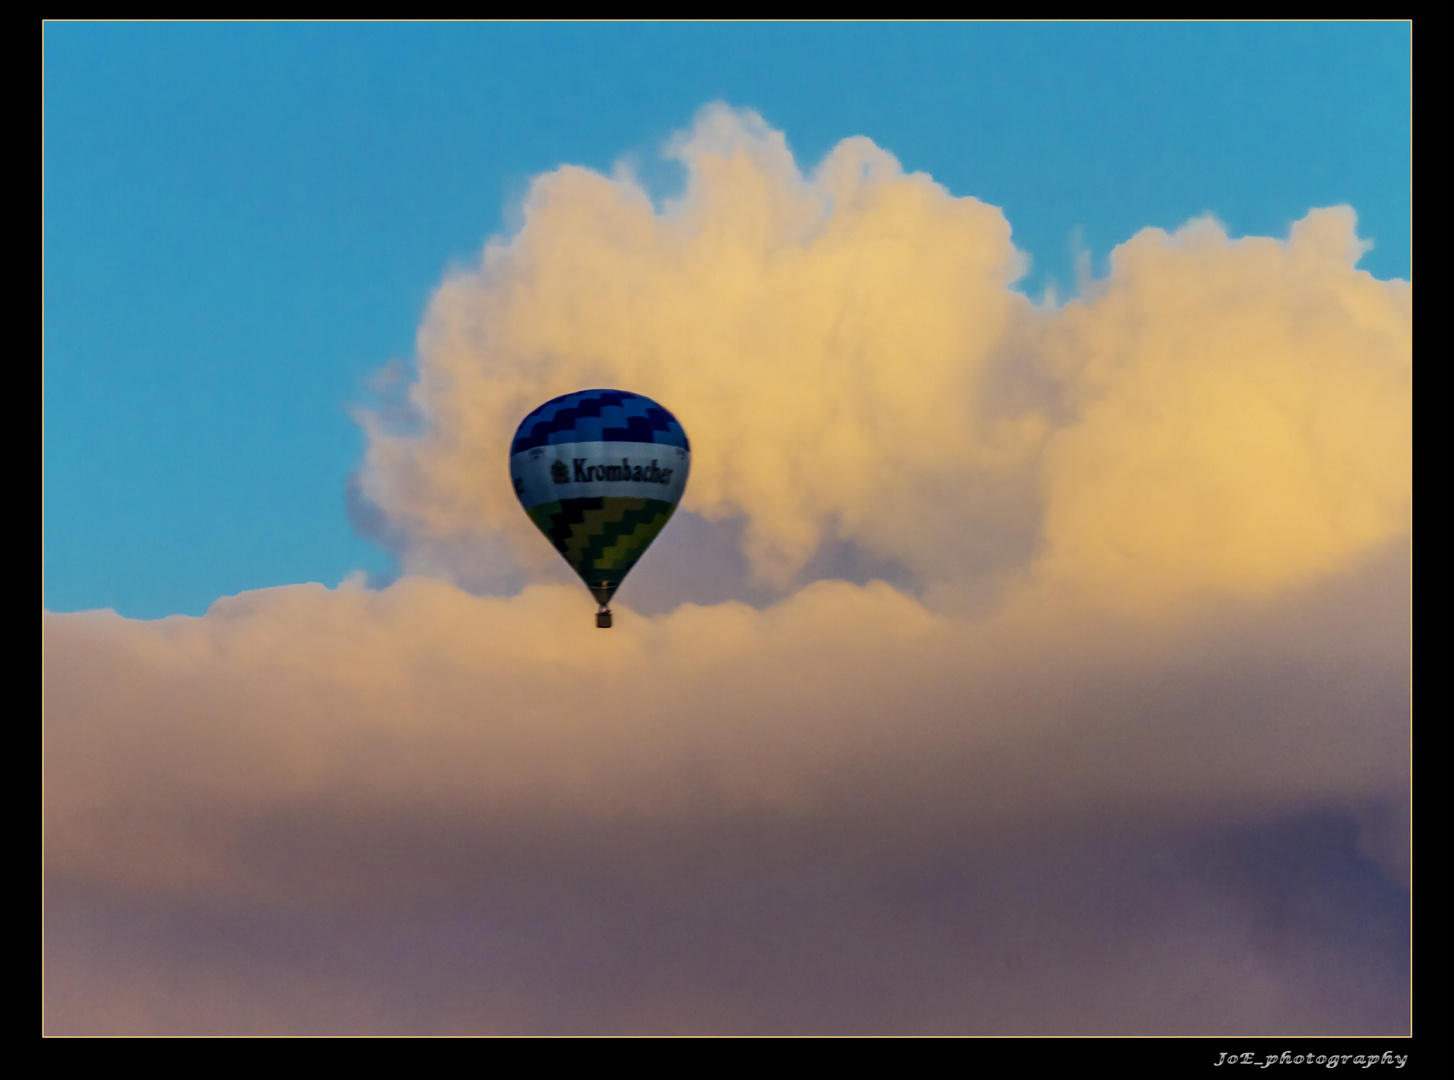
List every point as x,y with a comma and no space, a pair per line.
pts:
599,416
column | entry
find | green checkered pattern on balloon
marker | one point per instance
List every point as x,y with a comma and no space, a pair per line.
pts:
602,537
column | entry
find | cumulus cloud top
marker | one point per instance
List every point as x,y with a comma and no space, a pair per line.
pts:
851,360
1243,413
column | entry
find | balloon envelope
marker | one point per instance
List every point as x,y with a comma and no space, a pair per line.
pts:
600,472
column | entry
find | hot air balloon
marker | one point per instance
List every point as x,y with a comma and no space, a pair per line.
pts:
600,472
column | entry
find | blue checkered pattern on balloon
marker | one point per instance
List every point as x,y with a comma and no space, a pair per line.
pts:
599,416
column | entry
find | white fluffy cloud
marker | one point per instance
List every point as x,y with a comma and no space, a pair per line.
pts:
1243,414
851,362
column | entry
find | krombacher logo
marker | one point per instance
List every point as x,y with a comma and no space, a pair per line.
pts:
583,474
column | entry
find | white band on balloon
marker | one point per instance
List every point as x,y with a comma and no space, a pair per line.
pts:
594,469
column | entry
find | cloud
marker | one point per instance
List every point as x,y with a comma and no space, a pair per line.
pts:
827,342
1123,749
843,779
853,365
1243,416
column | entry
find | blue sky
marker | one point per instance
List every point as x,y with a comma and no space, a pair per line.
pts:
243,223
